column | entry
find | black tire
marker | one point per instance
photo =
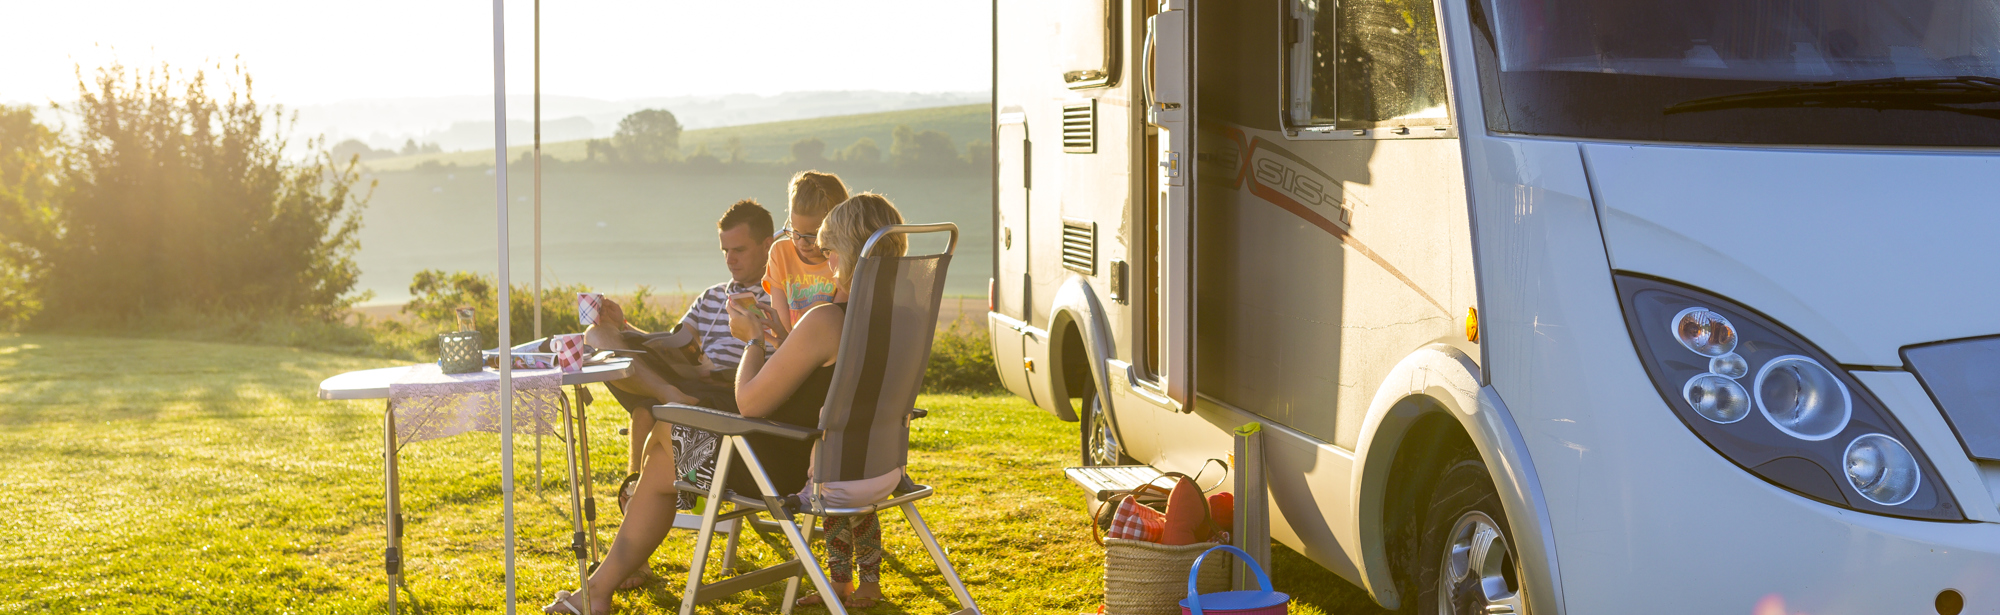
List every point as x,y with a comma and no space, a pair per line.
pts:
1465,560
1098,436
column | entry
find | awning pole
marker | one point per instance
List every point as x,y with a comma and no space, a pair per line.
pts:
538,180
506,342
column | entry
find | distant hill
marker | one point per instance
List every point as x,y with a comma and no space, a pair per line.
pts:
766,141
466,122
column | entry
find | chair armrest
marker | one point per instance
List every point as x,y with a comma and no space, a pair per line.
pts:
729,424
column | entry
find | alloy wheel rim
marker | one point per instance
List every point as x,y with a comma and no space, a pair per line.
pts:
1473,579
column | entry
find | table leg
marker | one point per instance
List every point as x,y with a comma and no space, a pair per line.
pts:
576,543
392,554
589,486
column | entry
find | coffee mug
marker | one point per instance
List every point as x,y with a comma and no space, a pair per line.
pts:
587,306
569,351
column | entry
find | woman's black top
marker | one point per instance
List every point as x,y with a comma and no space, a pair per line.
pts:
787,460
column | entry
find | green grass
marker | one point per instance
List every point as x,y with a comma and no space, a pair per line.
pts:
767,141
170,476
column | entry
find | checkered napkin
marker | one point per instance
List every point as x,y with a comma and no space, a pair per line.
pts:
1134,521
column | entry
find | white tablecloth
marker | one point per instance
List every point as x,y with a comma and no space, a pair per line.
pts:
429,404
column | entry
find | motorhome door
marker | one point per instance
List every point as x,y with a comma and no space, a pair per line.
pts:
1170,110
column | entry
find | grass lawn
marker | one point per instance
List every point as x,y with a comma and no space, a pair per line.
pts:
161,476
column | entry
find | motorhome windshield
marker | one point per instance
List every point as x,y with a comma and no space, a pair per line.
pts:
1852,72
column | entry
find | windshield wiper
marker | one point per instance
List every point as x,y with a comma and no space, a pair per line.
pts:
1919,93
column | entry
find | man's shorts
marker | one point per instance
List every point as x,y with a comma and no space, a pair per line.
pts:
694,449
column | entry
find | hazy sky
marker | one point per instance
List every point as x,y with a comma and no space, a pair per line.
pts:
318,52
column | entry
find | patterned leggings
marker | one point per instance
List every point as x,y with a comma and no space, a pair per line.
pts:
846,535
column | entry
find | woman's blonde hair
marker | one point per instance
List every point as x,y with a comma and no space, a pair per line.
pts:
850,224
813,193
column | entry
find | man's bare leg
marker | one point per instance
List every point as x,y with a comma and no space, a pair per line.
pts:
641,382
605,337
642,424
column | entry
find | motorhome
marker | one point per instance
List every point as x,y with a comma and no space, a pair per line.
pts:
1545,306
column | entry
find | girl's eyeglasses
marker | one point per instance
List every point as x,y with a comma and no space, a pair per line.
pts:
811,238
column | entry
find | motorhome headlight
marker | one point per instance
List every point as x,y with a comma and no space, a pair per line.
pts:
1730,365
1882,470
1717,398
1802,398
1704,331
1824,436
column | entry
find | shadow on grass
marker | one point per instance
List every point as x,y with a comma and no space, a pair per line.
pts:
1315,588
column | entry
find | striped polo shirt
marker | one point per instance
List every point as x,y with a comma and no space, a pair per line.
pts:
710,318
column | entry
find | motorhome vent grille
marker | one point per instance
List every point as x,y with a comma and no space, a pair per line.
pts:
1079,127
1079,246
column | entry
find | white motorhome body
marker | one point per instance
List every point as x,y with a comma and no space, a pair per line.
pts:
1732,266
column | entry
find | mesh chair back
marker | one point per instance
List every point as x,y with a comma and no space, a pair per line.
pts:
892,311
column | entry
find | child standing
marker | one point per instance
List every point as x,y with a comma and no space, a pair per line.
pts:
798,277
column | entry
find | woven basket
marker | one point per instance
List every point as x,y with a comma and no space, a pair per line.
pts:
1144,578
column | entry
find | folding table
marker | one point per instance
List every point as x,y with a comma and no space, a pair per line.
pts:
374,384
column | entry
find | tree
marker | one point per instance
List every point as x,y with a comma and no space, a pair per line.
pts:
411,148
354,148
980,153
648,135
809,151
596,149
177,199
929,149
863,152
27,223
702,158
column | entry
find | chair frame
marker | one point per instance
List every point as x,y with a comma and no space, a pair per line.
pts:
785,510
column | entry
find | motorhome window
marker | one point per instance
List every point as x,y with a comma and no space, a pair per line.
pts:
1089,42
1365,63
1851,72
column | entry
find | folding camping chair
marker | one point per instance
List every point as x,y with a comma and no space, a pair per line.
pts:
863,432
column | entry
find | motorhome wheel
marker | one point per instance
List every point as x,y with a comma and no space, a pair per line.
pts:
1466,564
1100,440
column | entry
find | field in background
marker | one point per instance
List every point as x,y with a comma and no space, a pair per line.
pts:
768,141
616,231
195,477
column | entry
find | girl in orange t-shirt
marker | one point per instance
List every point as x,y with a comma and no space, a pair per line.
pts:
797,275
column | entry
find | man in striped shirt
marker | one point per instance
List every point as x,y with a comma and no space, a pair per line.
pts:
745,232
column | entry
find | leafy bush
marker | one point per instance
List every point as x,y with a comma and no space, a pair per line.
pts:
27,186
961,361
174,198
437,294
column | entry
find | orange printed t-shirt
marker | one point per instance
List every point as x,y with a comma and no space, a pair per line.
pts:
799,285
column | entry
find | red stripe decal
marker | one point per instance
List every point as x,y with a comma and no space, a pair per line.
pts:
1282,199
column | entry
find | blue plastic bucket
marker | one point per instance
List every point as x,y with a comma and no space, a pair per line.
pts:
1249,602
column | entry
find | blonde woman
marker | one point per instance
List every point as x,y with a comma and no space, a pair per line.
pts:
792,387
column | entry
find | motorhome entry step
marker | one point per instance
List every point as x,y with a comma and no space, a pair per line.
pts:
1102,482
